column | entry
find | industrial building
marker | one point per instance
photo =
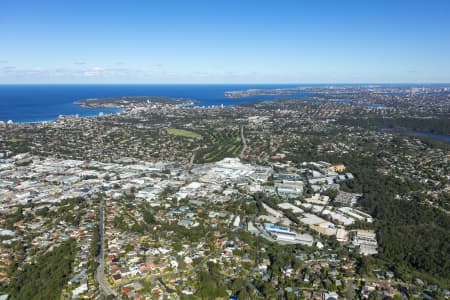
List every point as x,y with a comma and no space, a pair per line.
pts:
366,240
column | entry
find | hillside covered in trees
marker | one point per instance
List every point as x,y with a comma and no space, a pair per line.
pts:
45,278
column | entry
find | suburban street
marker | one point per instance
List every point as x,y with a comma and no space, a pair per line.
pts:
100,272
350,288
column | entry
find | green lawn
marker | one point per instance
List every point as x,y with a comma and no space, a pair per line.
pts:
183,133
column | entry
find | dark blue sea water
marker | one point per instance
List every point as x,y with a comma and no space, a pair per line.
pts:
439,136
43,102
434,135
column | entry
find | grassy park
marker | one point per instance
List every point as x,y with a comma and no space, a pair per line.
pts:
183,133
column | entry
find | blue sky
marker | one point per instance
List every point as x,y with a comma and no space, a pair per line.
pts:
224,41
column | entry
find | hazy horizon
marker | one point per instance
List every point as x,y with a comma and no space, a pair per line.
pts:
233,83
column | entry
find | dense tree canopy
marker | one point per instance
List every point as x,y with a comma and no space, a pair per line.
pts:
45,278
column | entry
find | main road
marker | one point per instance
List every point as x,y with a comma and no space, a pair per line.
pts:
100,272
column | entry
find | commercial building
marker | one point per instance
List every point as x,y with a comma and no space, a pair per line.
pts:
347,199
366,240
280,232
289,206
294,189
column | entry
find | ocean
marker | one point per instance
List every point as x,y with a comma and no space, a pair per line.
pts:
45,102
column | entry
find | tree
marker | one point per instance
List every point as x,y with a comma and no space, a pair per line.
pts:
45,278
365,264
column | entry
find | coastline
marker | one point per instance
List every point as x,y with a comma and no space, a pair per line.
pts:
25,103
93,115
118,104
121,101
